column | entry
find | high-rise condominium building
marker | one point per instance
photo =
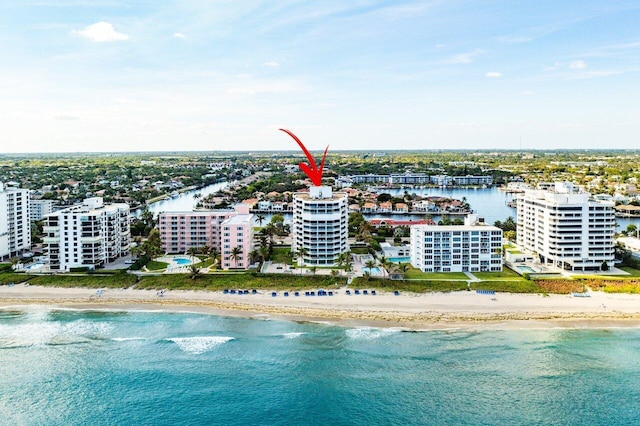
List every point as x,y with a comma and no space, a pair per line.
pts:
39,209
15,228
91,235
456,248
567,228
320,231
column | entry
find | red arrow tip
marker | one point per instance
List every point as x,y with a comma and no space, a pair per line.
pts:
312,171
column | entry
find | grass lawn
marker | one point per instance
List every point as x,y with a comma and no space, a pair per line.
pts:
281,255
156,266
360,250
122,280
518,286
506,273
417,274
412,286
206,262
632,271
11,277
239,281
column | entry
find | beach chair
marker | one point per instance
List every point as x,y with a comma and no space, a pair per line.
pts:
225,291
274,294
373,292
232,291
356,292
396,293
296,293
348,292
286,294
254,291
330,293
365,292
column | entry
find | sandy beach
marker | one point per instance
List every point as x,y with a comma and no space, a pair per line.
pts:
412,311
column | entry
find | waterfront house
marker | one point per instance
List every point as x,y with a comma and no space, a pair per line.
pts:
369,208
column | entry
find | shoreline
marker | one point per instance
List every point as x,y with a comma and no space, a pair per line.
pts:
461,310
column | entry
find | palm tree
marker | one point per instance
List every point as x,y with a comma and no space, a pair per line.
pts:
403,268
369,264
191,251
300,254
235,254
215,254
385,263
344,259
194,271
260,218
348,261
313,269
137,251
255,256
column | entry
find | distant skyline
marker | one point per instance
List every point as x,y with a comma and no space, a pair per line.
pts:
196,75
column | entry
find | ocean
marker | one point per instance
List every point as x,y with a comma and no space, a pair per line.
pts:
67,367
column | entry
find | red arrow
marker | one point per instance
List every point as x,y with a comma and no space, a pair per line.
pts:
313,172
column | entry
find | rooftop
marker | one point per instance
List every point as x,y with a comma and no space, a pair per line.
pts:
239,219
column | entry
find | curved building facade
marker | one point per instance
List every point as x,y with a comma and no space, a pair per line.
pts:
320,219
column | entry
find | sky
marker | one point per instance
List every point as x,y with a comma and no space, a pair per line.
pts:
205,75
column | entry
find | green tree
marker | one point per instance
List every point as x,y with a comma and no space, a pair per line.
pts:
235,255
152,247
192,251
510,235
356,219
255,256
260,218
300,253
194,271
384,197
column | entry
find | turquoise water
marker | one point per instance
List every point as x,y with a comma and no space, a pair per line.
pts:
525,268
399,259
181,261
374,270
112,368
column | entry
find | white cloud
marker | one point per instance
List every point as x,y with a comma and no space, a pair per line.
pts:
66,117
179,35
241,91
101,32
493,74
271,64
465,58
528,92
577,65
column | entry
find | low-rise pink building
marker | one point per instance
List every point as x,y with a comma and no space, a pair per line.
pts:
237,241
180,231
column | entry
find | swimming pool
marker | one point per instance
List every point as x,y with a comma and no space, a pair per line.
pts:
525,268
374,270
34,266
399,259
181,261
